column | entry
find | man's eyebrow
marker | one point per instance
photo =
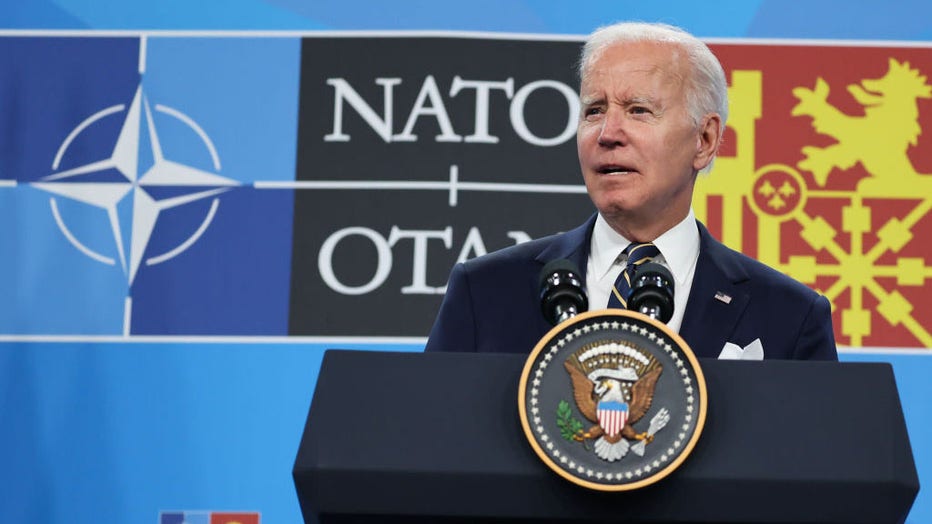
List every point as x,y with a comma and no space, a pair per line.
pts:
587,100
638,100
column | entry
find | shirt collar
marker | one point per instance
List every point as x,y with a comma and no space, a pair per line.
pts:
679,247
605,246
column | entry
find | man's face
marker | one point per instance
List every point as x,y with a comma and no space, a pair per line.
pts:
638,150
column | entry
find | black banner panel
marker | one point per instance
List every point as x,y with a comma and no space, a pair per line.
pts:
414,154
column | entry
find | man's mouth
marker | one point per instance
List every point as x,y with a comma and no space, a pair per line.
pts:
614,170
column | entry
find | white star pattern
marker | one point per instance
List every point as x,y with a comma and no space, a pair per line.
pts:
125,159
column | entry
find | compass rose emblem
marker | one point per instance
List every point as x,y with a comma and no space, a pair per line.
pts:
135,183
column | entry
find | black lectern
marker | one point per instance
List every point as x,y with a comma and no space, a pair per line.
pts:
414,437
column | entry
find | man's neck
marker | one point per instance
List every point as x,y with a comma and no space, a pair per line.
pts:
643,231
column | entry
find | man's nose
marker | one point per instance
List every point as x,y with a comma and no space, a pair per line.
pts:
612,133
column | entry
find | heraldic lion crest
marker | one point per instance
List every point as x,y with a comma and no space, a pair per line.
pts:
879,139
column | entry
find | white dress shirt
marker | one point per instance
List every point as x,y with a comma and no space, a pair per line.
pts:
679,252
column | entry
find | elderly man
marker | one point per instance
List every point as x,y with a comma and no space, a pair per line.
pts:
654,105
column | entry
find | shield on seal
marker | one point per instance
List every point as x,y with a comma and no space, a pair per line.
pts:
612,416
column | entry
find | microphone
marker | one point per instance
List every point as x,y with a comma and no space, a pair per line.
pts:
561,291
652,291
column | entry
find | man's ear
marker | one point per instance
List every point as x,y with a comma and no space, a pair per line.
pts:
708,140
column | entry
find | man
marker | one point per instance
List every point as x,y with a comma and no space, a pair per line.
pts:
654,105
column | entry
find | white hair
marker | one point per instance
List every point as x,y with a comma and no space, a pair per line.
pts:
706,87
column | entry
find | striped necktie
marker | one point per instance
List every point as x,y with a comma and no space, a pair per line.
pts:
637,255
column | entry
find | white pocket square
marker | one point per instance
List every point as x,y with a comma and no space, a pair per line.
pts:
752,351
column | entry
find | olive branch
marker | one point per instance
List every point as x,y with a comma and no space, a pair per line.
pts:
570,426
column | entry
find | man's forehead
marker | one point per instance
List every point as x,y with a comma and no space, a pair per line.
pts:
633,72
630,84
645,58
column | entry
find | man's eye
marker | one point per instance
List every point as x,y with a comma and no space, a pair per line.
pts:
640,110
593,111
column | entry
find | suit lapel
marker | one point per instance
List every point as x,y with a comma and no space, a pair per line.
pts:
717,298
573,246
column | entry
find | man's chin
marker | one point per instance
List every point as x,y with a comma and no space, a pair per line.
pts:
616,211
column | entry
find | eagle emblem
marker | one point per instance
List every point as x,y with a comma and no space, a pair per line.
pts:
628,395
613,385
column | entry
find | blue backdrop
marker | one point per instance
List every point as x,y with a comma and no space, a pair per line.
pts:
99,428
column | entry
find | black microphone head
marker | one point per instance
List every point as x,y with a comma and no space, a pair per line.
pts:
556,269
652,291
561,291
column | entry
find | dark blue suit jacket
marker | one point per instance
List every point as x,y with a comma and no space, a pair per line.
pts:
493,302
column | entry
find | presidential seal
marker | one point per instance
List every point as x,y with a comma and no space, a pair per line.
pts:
612,400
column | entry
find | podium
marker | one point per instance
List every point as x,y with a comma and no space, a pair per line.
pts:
436,437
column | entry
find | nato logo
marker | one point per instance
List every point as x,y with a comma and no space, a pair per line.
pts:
78,183
127,172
